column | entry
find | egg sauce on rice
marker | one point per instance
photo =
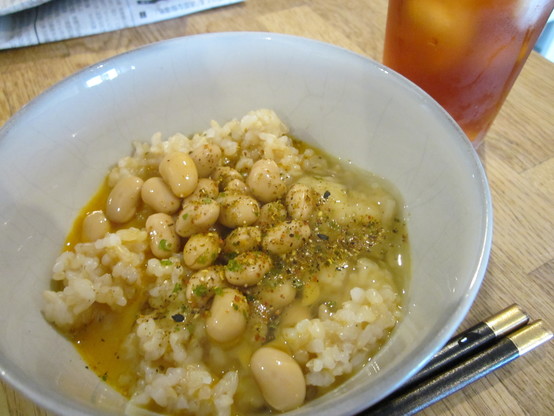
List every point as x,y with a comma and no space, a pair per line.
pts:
329,302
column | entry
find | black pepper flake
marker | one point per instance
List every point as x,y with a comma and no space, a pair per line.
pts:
323,236
326,194
178,317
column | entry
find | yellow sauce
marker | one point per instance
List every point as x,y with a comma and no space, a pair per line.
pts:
99,342
97,202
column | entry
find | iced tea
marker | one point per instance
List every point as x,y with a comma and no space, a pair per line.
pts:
464,53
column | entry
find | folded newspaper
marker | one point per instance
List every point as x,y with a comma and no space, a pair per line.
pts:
32,22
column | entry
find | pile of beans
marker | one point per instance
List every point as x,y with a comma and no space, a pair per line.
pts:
230,228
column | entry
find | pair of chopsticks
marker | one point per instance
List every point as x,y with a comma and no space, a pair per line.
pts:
466,358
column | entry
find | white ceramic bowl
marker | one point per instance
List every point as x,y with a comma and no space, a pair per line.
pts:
56,150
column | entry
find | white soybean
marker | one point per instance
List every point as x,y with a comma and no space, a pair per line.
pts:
279,377
223,175
248,268
201,250
243,239
201,285
228,315
123,199
300,201
238,210
206,188
95,226
265,182
250,394
206,158
271,214
158,195
197,215
179,172
279,296
286,237
293,314
237,186
164,241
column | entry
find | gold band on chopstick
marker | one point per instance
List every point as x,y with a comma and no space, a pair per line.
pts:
530,336
507,320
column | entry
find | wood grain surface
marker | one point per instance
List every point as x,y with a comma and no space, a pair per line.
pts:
518,155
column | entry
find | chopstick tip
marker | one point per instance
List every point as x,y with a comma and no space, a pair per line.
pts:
507,320
531,336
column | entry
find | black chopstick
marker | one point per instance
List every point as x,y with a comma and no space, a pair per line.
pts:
409,401
472,340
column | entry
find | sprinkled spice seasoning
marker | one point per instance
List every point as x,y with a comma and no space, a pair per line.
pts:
178,317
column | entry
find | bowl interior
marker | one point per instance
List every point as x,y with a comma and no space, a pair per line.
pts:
55,152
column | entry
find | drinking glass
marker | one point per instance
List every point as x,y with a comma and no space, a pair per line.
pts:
466,54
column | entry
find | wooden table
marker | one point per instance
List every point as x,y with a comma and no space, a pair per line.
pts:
518,155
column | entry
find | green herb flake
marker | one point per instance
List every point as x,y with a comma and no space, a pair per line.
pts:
166,262
207,257
218,290
234,266
297,283
185,216
104,376
177,288
200,290
165,245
